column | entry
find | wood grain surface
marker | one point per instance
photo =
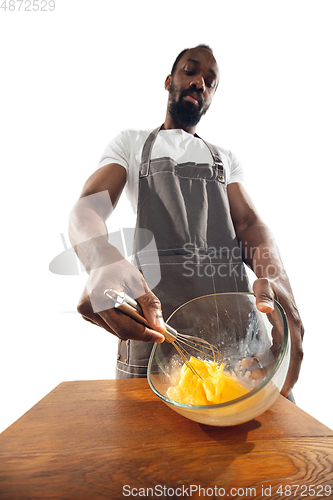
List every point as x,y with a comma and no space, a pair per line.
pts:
115,439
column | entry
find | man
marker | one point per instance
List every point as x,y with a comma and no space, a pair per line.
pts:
189,194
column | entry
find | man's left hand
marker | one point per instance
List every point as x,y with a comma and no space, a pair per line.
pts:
266,290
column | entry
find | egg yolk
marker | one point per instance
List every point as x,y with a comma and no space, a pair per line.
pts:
214,387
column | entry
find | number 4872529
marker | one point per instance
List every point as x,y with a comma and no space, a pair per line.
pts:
27,5
304,490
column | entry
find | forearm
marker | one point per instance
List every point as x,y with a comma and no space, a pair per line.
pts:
89,238
257,244
260,251
106,267
87,229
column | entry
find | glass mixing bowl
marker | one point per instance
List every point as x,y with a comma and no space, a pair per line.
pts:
255,349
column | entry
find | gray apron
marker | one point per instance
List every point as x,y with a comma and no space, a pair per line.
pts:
186,208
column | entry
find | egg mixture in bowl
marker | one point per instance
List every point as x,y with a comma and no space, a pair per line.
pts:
256,353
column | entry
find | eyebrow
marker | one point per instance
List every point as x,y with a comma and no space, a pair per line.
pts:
198,62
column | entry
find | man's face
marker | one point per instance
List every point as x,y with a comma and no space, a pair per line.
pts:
192,86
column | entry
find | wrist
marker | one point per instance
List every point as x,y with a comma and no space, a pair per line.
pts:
266,262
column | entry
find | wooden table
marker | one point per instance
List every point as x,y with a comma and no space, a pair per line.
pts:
115,439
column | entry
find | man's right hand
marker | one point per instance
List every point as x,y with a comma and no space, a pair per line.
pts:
105,265
94,306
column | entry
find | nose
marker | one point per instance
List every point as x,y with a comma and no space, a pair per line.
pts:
198,83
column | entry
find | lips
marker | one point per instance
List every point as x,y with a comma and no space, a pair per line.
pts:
194,98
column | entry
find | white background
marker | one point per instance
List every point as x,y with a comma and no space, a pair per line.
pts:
71,79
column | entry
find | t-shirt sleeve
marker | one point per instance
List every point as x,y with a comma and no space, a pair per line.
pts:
117,151
236,169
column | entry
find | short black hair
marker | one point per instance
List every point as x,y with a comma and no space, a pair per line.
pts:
201,46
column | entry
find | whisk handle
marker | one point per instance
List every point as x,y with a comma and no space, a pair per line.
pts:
129,306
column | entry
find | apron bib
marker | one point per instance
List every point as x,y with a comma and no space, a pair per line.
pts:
186,208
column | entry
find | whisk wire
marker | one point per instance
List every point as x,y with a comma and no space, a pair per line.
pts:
129,306
201,346
186,361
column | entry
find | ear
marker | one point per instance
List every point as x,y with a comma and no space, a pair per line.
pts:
167,82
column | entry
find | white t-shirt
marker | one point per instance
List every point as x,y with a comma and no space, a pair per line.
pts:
126,150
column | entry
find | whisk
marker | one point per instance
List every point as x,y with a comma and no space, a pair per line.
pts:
181,342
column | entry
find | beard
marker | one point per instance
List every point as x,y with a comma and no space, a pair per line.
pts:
185,113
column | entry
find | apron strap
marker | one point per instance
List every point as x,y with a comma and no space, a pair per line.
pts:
145,157
148,146
218,163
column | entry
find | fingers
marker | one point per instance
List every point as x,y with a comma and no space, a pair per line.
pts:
151,308
127,328
255,370
117,323
85,309
296,358
264,295
265,291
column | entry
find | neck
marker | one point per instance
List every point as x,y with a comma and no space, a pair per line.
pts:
170,123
